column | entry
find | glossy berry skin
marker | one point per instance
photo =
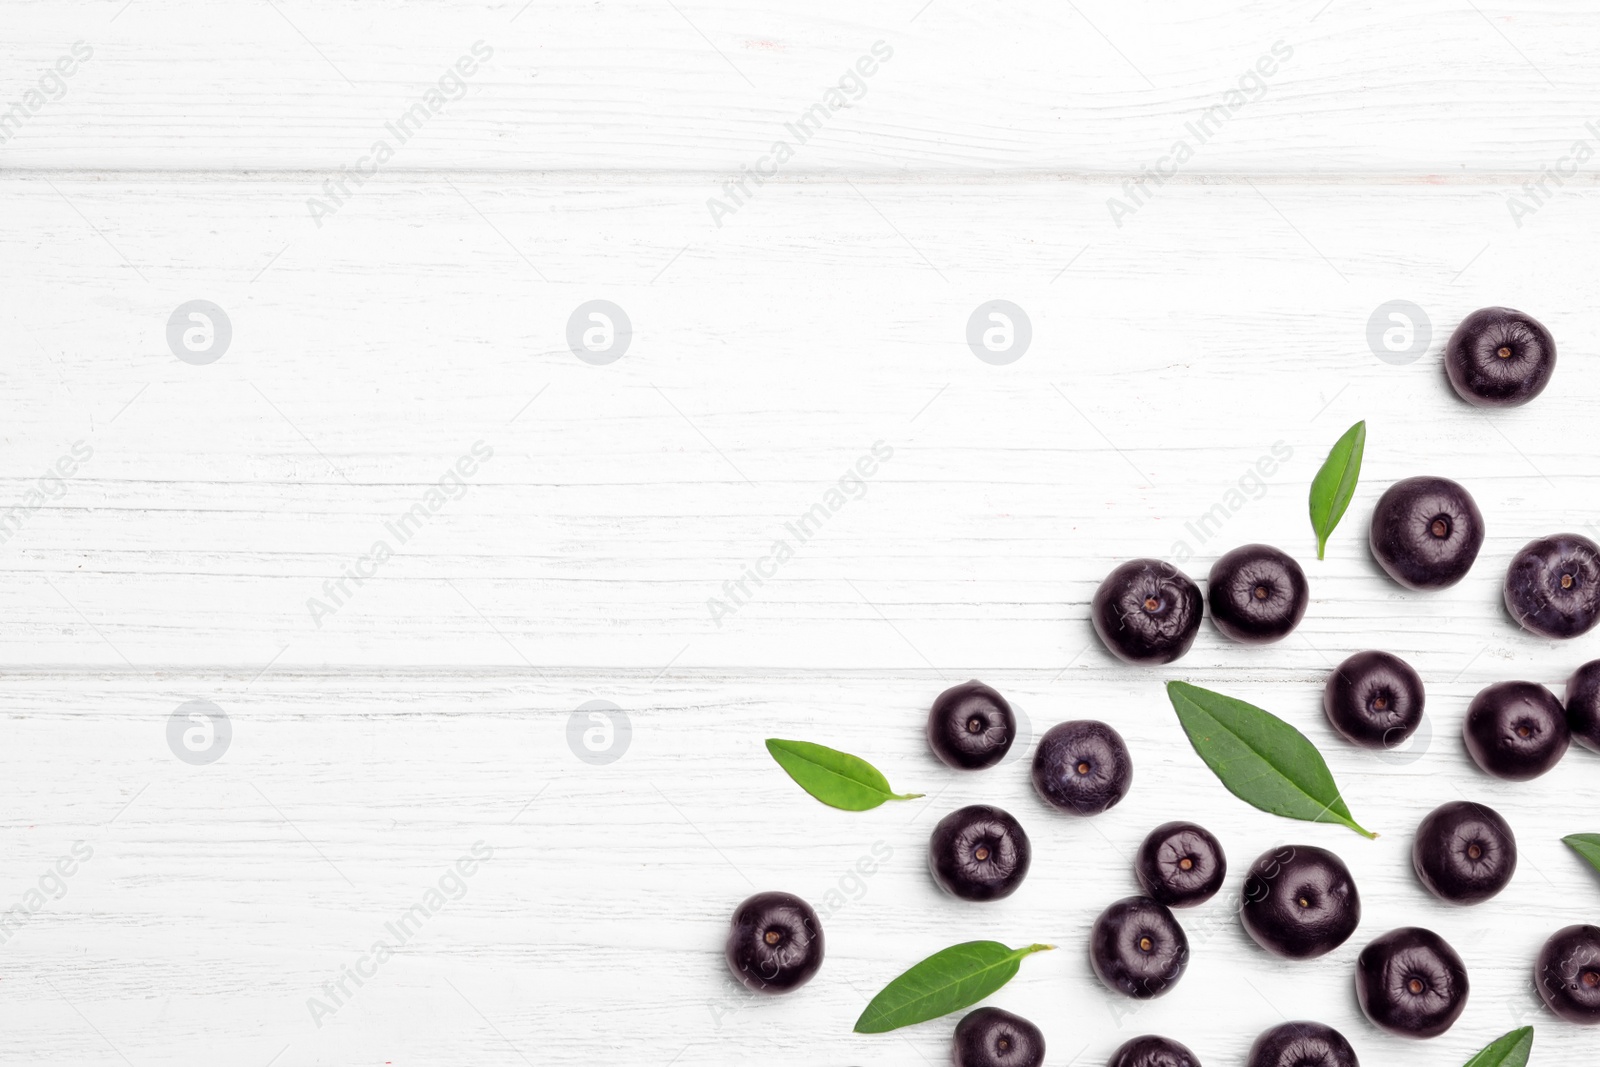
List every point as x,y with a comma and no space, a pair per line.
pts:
990,1037
1180,865
1257,594
1302,1044
979,853
1082,767
1499,358
1567,974
1152,1051
971,726
1411,983
774,943
1464,853
1516,730
1300,902
1583,705
1137,948
1147,611
1426,532
1374,699
1553,586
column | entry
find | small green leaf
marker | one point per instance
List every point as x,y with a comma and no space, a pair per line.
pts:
1335,483
836,778
1261,759
947,981
1509,1051
1587,846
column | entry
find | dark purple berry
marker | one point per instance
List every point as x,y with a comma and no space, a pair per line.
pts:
971,727
1583,705
1137,948
1411,983
1553,586
1147,611
1499,358
1516,730
979,853
990,1037
1568,974
1152,1051
1180,864
1082,767
1257,594
1300,902
1302,1045
774,943
1374,699
1426,532
1464,853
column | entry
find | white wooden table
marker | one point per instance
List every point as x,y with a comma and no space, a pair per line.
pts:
399,347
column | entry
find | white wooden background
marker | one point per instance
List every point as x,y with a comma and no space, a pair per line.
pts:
431,711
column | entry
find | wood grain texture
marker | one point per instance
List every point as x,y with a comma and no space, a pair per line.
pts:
1421,91
1194,353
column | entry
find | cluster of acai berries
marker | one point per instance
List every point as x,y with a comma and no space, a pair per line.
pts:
1426,533
1296,901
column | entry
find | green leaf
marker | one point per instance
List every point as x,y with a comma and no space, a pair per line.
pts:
1509,1051
1587,846
1335,483
1261,759
836,778
947,981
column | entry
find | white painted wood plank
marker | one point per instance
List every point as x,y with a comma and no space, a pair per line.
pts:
369,356
1426,91
218,899
1225,316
